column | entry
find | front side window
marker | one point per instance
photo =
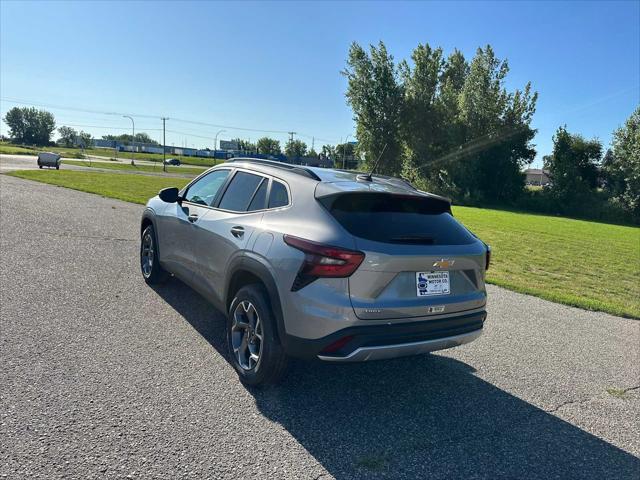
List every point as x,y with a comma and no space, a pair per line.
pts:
204,191
240,191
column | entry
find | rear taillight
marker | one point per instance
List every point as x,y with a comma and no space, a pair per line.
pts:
488,258
323,261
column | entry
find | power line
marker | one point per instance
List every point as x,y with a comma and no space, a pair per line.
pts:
140,115
181,120
164,145
75,109
107,127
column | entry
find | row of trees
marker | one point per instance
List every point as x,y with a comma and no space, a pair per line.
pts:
28,125
446,123
582,177
70,137
451,126
296,149
31,126
140,137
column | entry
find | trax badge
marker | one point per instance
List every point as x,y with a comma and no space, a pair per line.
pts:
444,263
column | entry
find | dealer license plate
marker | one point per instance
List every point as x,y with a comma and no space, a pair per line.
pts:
432,283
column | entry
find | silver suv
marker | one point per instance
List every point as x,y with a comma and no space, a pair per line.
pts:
318,263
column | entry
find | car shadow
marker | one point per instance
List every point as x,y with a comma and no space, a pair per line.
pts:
416,417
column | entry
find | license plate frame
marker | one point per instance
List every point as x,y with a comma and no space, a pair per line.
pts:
433,283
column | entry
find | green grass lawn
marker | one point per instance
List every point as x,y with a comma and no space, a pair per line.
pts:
130,188
15,149
104,152
137,168
585,264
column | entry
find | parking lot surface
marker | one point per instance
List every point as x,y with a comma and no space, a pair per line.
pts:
104,377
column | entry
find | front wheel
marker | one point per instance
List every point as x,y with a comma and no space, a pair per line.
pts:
152,272
256,353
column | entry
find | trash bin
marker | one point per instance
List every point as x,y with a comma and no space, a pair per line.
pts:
49,159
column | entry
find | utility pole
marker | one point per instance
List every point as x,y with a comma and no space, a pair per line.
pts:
344,151
133,138
215,145
313,143
291,134
164,148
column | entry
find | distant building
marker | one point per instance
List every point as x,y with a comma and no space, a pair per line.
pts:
536,177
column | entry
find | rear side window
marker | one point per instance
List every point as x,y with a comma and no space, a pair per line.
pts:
240,192
279,197
260,197
397,219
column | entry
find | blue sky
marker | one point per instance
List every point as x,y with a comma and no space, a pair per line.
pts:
275,66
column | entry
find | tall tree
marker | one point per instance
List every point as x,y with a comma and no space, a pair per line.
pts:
344,153
245,145
329,151
67,136
85,140
268,146
422,123
295,149
375,93
497,132
573,166
427,168
14,118
622,168
30,126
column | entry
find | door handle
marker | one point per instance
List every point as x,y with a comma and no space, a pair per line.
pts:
237,232
193,217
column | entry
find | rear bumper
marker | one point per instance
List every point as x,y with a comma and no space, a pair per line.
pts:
382,352
362,343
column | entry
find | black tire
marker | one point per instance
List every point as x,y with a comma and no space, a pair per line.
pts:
153,273
57,167
39,166
272,364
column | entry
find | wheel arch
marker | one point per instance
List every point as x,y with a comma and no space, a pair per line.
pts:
244,271
148,219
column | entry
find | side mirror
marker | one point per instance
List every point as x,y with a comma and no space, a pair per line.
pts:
169,195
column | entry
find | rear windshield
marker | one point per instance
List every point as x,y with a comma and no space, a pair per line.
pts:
397,219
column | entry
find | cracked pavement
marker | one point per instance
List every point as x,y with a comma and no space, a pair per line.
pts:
104,377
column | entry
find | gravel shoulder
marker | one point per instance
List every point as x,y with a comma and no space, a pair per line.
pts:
104,377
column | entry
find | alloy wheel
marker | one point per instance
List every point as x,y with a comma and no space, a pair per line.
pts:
146,255
246,335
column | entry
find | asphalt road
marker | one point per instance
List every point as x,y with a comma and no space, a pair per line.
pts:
29,162
104,377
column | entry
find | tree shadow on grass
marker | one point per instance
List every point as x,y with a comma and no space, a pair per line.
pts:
417,417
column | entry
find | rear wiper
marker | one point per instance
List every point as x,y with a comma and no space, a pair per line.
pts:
415,239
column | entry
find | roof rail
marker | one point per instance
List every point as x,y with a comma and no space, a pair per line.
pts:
285,166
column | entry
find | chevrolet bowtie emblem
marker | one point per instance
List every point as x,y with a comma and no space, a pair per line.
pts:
444,263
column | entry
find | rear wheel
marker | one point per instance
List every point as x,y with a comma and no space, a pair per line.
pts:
255,351
152,272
